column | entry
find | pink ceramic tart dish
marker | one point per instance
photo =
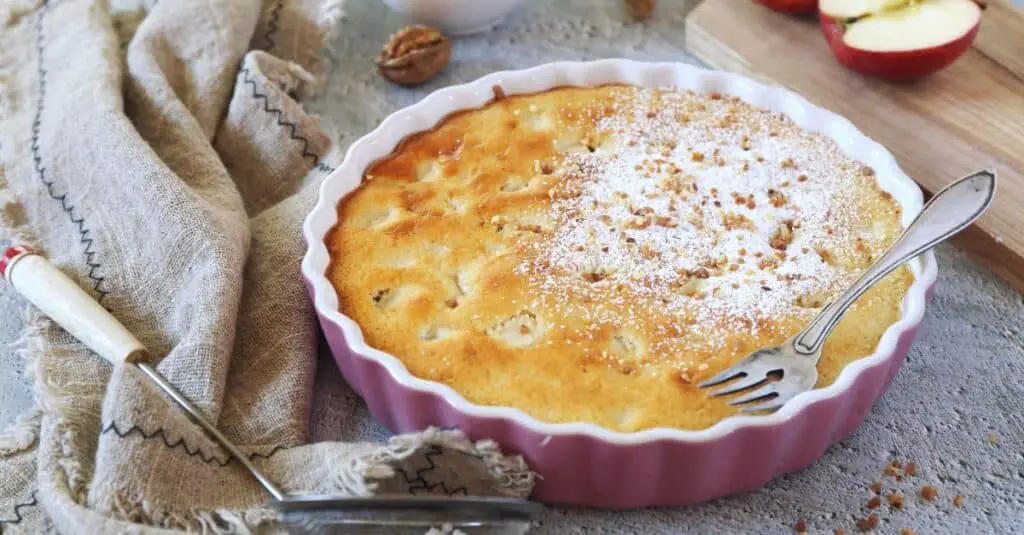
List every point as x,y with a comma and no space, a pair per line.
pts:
583,463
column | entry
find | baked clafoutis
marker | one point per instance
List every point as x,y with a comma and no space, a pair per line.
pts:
591,254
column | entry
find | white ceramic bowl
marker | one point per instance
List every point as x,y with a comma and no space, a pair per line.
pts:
456,17
579,462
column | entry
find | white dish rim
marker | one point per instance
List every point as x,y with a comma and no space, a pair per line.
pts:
433,108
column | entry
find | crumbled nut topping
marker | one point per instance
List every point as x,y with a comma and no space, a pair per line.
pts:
783,237
656,199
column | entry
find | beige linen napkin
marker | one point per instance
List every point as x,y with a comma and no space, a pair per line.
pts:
165,163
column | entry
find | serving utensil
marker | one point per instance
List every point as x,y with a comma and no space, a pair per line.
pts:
951,210
60,298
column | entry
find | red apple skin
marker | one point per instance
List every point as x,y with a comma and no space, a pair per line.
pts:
793,7
895,66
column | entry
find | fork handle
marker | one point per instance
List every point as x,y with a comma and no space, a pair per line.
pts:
68,305
951,210
60,298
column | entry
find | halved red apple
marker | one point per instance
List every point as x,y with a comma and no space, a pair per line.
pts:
899,39
794,7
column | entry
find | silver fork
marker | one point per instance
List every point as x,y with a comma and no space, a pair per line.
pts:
951,210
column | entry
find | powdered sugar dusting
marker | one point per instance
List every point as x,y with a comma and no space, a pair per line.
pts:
710,210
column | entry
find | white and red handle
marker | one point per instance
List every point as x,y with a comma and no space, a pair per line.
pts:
67,304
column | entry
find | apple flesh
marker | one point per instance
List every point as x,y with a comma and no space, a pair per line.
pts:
853,9
899,41
793,7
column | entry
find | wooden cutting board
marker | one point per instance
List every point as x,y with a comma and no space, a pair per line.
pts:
966,117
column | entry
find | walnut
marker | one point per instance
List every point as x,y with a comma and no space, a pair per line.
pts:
911,468
414,55
640,222
777,198
828,258
783,237
672,183
733,221
665,221
869,523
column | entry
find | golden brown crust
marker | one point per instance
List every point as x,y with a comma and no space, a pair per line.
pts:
465,253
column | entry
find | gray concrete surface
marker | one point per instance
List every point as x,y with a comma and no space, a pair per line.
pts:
955,408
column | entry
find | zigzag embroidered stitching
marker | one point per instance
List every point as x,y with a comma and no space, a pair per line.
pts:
83,231
420,482
292,127
17,510
192,452
272,28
